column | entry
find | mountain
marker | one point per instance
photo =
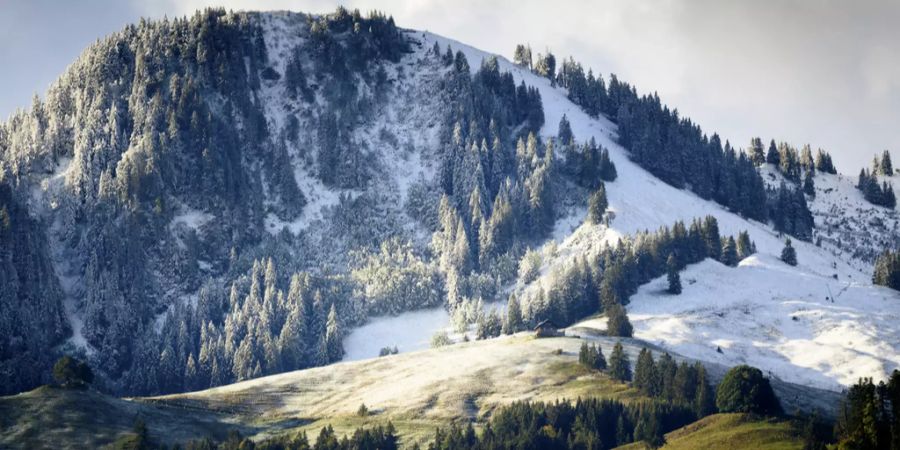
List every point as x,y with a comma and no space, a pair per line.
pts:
214,199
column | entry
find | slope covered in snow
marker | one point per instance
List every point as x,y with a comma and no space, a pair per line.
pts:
763,313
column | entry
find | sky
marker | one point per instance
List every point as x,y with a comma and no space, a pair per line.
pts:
823,72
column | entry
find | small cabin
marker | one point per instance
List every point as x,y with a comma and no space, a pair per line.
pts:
546,328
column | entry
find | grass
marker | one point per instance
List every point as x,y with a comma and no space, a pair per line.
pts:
66,418
417,392
731,431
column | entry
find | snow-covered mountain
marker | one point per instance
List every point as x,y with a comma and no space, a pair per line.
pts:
206,249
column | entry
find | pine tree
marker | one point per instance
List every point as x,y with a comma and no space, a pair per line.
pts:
619,365
332,347
704,401
564,135
617,322
788,254
729,252
809,186
672,275
513,322
522,56
823,162
889,200
645,376
887,270
772,157
597,205
887,169
607,168
757,152
599,361
745,247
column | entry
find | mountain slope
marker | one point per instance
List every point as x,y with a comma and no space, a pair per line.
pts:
416,391
211,188
830,345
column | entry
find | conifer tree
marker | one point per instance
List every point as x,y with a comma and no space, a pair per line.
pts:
672,275
745,247
564,135
619,365
522,56
704,401
617,322
757,152
597,205
809,186
332,348
513,322
788,254
645,376
729,252
887,169
887,270
607,168
772,157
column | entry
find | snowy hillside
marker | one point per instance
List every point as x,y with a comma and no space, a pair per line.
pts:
321,171
763,313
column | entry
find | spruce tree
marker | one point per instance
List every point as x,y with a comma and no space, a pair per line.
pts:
617,322
745,247
772,157
597,205
607,168
757,152
672,275
619,365
729,252
788,254
564,135
704,400
332,347
809,186
888,199
513,322
645,377
887,169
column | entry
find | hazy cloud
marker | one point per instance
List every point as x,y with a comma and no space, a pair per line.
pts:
824,72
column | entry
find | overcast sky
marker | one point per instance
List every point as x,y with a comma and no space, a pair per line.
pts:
824,72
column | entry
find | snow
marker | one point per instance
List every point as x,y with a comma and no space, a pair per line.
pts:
191,218
830,345
408,331
776,317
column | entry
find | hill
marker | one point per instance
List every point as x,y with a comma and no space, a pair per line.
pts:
416,391
731,431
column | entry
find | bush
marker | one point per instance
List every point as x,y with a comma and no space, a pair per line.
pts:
72,373
387,351
440,339
744,389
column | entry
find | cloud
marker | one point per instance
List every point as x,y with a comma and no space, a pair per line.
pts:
824,72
